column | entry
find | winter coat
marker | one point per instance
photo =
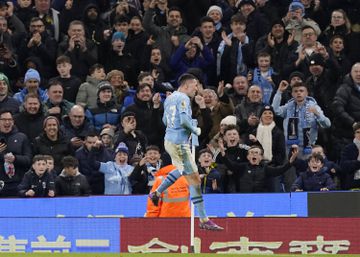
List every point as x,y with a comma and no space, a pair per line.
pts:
40,185
313,181
148,120
10,104
72,185
57,149
81,132
346,108
42,94
163,35
30,124
94,177
87,94
349,166
254,178
104,113
19,145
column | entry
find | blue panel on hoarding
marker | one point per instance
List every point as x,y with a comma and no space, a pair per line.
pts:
252,205
219,205
59,235
299,204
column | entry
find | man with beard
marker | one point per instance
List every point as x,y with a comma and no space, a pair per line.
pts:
15,154
94,26
29,121
39,44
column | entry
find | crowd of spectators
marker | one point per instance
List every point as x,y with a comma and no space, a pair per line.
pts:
82,86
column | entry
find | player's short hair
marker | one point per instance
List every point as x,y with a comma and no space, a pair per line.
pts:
70,162
185,77
152,147
63,59
39,157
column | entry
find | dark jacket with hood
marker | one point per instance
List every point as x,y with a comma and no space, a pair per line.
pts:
17,144
94,28
72,185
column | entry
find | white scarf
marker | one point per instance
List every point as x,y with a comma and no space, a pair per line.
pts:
264,136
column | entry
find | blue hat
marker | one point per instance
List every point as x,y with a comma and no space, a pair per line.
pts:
122,148
118,36
32,74
296,4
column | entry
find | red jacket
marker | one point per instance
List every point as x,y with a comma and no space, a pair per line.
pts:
174,201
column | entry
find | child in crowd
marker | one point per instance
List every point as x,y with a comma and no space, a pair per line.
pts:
210,177
70,83
71,182
315,178
143,176
116,172
87,94
263,77
50,165
37,182
107,138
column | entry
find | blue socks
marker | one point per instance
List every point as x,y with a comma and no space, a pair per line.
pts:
196,198
169,180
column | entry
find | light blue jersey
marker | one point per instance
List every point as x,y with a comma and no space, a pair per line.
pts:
175,105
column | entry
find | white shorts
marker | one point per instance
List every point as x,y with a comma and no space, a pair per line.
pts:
181,157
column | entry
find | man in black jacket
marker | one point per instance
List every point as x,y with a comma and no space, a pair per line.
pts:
15,154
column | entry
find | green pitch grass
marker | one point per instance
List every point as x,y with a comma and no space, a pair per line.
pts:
162,255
